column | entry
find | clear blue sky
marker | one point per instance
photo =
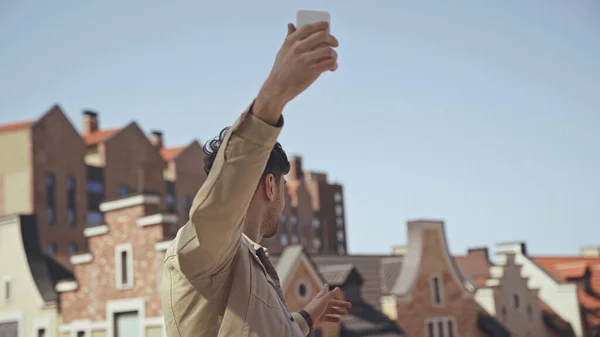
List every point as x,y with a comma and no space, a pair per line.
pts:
484,114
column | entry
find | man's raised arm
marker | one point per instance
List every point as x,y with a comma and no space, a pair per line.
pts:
220,205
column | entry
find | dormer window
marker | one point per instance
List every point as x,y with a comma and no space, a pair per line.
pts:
436,285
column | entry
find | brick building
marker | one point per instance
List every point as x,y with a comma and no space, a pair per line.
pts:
183,175
505,294
431,296
120,161
43,173
114,292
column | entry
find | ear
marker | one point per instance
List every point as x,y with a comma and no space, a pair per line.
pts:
270,187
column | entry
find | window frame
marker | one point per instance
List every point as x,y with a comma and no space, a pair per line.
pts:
439,288
128,249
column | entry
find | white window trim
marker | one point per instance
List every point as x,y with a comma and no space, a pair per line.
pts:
81,325
8,280
432,289
444,320
13,317
124,247
297,289
125,305
42,323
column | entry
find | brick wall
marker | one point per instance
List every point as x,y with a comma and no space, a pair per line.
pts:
97,284
412,314
58,149
189,175
133,161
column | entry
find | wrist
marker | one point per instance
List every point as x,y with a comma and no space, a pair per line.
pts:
268,105
307,318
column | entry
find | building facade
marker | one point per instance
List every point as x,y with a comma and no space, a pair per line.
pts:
29,304
114,291
43,173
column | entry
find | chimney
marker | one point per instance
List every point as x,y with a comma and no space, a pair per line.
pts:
157,139
295,168
590,251
480,253
90,122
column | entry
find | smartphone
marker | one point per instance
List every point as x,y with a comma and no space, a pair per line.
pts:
304,17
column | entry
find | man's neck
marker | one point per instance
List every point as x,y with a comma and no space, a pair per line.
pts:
252,224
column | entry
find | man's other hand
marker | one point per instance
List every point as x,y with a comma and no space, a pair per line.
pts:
327,306
305,54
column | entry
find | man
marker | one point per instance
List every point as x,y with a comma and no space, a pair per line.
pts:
217,280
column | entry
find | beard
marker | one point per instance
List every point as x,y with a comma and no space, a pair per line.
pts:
271,224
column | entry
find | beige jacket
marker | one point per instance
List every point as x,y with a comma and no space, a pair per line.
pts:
216,281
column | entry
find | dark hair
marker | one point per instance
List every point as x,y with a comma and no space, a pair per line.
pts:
277,165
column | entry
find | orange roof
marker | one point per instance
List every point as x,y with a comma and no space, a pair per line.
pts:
565,268
169,153
15,126
96,137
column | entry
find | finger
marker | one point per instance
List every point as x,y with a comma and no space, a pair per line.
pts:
336,293
291,29
326,65
336,311
308,30
323,290
332,319
340,304
318,39
321,54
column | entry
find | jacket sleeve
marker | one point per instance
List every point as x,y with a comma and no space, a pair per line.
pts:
208,242
301,323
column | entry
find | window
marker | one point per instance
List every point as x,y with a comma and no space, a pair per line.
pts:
50,196
339,210
436,290
122,191
7,290
283,219
284,239
441,327
341,250
337,197
124,266
530,312
71,198
294,239
95,218
41,332
80,333
317,243
72,248
95,186
516,301
340,235
503,312
316,223
294,220
170,200
339,222
303,290
430,330
51,249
